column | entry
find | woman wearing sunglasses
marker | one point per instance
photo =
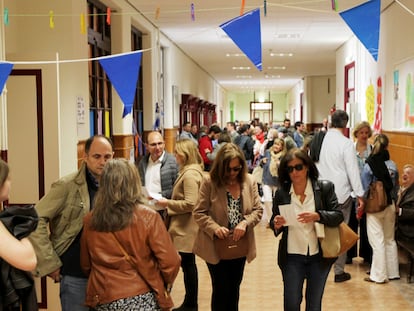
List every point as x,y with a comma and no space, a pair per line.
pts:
228,203
304,201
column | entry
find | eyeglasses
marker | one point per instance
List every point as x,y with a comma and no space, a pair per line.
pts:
234,169
156,144
297,167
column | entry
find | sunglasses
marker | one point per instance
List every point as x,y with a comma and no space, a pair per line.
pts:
297,167
234,169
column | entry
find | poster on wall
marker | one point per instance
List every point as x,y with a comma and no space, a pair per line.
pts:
373,104
404,95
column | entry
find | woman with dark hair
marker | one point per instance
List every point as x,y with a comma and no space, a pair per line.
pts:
125,248
228,203
300,256
381,225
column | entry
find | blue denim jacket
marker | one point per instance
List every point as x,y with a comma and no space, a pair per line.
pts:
367,177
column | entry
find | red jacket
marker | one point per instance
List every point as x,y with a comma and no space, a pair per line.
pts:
203,144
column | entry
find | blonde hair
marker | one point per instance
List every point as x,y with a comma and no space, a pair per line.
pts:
408,166
360,126
281,142
188,150
380,143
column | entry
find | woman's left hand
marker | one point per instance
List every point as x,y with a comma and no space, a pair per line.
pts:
306,217
162,202
240,230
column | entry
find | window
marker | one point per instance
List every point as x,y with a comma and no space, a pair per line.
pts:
138,110
262,111
99,40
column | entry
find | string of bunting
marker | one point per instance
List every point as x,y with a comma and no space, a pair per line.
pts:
266,4
122,70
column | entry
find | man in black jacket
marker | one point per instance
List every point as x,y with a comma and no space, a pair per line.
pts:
405,206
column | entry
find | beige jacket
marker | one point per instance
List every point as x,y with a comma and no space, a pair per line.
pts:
211,213
182,227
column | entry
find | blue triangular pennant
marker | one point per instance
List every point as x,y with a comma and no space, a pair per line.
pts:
5,69
123,72
245,32
364,20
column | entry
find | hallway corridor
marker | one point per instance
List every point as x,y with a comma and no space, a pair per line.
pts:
262,287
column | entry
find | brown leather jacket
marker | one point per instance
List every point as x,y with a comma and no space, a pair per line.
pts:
112,277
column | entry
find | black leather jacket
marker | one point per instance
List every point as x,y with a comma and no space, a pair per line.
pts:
326,205
405,221
17,286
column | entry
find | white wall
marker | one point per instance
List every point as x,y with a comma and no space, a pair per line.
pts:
396,46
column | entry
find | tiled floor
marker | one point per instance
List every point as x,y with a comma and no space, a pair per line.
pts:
262,287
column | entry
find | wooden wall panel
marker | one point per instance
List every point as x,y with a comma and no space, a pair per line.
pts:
123,146
401,147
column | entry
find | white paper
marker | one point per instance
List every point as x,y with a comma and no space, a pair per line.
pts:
320,230
151,195
288,212
155,196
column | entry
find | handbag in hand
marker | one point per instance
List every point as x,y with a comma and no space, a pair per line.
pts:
337,240
227,248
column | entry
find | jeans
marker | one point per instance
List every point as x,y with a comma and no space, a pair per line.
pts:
298,268
72,293
226,277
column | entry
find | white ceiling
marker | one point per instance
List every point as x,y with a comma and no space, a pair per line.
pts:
309,29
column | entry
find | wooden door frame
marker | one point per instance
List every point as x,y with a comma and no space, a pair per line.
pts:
37,73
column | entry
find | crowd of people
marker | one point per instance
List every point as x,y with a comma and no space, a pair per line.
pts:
115,234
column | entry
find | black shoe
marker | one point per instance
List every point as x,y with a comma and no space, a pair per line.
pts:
342,277
185,308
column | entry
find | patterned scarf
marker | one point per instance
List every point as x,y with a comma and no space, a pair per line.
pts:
274,162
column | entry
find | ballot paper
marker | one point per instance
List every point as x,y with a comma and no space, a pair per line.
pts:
320,230
288,212
151,195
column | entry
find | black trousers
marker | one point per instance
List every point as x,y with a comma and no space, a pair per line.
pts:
190,272
365,249
226,277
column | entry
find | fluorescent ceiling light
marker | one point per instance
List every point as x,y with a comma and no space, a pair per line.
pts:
234,54
288,35
241,68
281,54
277,67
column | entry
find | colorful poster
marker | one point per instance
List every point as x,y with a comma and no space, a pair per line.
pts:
404,95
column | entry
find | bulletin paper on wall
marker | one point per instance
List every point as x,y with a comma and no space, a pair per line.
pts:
404,95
